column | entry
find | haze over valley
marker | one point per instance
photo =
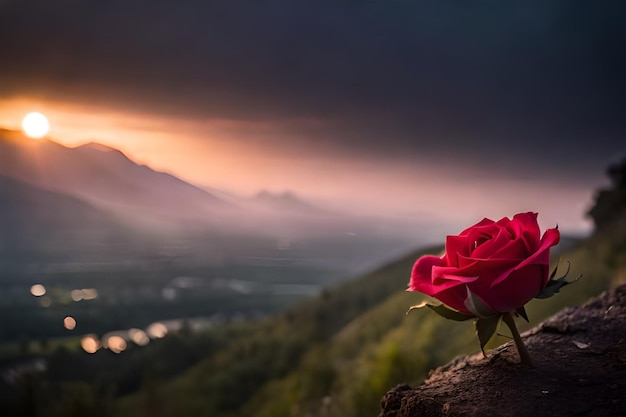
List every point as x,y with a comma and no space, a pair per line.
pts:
90,217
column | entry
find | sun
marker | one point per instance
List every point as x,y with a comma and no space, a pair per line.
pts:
35,125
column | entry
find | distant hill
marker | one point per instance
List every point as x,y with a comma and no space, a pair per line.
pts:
38,225
286,202
106,178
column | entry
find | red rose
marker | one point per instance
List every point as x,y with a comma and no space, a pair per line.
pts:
490,268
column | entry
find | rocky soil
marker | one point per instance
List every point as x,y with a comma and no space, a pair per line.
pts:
579,358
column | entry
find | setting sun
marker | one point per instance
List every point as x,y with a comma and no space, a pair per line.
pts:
35,125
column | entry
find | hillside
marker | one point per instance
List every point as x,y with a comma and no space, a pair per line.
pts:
337,355
47,226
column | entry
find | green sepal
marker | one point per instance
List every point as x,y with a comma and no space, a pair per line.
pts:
522,313
443,311
476,306
555,284
485,329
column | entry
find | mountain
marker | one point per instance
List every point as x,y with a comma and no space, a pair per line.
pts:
38,225
107,178
287,202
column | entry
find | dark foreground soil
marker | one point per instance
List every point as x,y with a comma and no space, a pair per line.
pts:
579,358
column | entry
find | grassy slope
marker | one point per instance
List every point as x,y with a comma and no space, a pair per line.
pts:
337,355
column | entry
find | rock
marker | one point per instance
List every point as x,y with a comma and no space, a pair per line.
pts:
579,358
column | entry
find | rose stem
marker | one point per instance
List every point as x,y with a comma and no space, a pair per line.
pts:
521,349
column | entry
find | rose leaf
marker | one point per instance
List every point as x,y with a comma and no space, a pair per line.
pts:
555,284
443,311
485,329
522,313
552,288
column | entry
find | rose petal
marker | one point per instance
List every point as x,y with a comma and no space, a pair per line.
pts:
446,277
482,223
526,228
542,257
457,245
493,247
519,287
485,266
451,294
514,249
455,297
484,233
421,275
489,270
551,237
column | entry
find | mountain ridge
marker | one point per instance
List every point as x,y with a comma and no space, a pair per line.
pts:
104,176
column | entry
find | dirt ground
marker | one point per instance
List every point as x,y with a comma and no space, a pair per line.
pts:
579,358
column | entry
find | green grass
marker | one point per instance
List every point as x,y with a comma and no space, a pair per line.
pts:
13,350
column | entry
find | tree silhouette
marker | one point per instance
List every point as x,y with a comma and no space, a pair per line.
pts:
610,204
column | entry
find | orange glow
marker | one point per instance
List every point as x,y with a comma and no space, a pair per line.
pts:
157,330
244,157
139,337
201,151
90,344
69,323
116,344
229,154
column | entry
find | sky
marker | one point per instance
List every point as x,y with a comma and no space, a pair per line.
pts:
455,110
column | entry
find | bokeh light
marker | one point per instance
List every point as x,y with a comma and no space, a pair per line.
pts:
157,330
139,337
90,343
69,322
116,344
76,295
38,290
84,294
89,293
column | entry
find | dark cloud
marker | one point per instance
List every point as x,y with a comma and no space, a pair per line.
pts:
514,83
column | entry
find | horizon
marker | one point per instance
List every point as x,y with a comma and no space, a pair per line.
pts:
398,110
